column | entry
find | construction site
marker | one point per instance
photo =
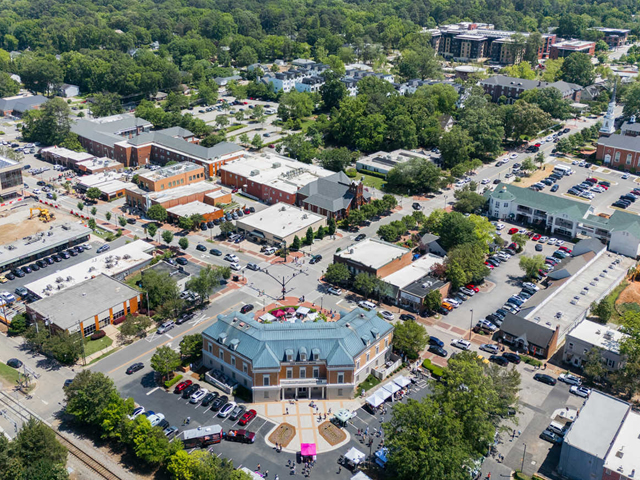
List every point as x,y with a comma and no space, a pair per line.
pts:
27,218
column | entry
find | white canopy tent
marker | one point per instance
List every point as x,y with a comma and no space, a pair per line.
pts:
355,456
360,476
391,388
402,381
267,317
375,400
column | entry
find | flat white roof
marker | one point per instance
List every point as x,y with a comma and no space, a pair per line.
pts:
280,220
70,154
170,171
276,171
97,179
110,263
385,161
598,335
623,455
418,269
175,193
372,253
192,208
114,186
96,163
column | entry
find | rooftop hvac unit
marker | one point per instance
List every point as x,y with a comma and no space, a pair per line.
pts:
59,279
276,165
253,173
608,334
427,284
126,257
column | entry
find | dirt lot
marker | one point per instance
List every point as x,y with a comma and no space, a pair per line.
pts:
631,294
15,224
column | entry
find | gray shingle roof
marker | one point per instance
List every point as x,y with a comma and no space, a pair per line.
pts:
532,332
192,149
625,142
504,81
266,344
330,193
631,127
21,104
541,201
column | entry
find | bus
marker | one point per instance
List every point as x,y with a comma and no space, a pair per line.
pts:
562,170
202,436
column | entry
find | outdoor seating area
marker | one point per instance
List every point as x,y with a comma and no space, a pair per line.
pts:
290,315
220,380
383,371
352,459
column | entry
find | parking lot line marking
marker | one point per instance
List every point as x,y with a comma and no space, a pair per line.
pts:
169,336
153,390
162,344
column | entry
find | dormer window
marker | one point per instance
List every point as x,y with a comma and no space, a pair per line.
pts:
303,354
315,354
289,354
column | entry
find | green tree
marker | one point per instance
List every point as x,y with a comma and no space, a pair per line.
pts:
158,213
468,201
114,416
603,309
577,68
531,265
80,206
333,91
222,121
524,118
191,346
150,445
564,145
37,447
337,273
105,104
88,395
308,239
92,224
296,244
256,141
465,263
549,100
135,326
297,147
420,62
160,287
183,243
295,105
205,282
433,300
455,147
185,223
152,229
410,338
455,229
167,236
227,227
594,365
165,361
331,226
8,86
51,125
520,239
18,324
520,70
365,283
94,210
528,165
336,159
122,221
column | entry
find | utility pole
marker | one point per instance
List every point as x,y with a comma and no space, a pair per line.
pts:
471,324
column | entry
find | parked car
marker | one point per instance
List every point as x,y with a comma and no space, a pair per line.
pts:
190,390
182,261
580,391
136,412
227,409
467,291
387,315
247,417
237,412
201,248
512,357
182,386
198,396
219,402
570,379
185,317
239,435
14,363
461,344
165,327
246,308
135,367
208,398
438,350
334,291
549,436
436,341
315,259
253,266
407,316
170,432
230,257
488,347
544,378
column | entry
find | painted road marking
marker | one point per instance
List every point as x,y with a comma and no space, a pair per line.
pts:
153,390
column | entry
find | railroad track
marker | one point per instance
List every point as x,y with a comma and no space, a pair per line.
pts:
79,454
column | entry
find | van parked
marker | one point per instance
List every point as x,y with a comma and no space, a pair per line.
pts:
366,304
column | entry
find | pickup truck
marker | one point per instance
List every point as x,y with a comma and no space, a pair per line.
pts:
242,436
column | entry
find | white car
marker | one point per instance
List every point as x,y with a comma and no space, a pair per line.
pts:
625,176
530,285
87,246
504,255
459,184
227,409
334,291
36,191
387,315
575,162
136,412
597,189
552,241
485,181
580,391
230,257
570,379
452,301
543,239
461,344
513,155
522,231
155,419
559,243
500,226
235,266
199,395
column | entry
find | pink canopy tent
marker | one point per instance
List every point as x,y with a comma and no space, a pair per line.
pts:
307,449
277,313
291,311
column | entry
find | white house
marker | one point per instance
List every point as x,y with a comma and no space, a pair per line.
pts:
66,90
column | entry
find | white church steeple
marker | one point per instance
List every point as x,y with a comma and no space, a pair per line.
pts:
608,122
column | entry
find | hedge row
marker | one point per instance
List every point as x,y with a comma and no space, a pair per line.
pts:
435,370
173,381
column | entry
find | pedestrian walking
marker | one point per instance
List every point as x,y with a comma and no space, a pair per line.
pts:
286,412
339,469
276,477
188,420
266,473
258,467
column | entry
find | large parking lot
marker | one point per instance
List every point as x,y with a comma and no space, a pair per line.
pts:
601,201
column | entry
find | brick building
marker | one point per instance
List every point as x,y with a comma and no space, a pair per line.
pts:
204,192
270,177
283,360
374,257
173,176
511,88
564,49
614,37
333,196
619,151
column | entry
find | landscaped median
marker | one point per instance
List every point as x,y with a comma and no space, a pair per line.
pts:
435,370
8,376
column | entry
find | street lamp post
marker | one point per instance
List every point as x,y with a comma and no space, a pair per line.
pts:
445,201
523,455
471,324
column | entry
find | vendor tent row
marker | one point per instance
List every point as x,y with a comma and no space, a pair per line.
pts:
388,390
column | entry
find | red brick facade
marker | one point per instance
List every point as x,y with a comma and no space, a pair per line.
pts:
618,157
263,192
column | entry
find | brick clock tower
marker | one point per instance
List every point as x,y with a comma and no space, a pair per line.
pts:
608,122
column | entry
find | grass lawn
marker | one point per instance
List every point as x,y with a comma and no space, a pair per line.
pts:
132,282
234,127
8,375
371,181
368,383
93,346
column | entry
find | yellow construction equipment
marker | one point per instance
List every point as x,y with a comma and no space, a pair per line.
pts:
43,213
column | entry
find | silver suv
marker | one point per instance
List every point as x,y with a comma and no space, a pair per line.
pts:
165,327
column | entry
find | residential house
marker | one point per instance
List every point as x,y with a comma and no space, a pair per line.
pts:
333,196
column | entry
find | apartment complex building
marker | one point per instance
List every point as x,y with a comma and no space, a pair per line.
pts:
10,178
511,88
564,49
173,176
283,360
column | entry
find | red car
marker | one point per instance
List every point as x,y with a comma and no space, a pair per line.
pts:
542,272
489,265
247,211
247,417
536,237
182,385
471,286
538,145
235,190
565,249
603,186
513,230
246,103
